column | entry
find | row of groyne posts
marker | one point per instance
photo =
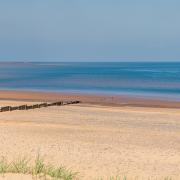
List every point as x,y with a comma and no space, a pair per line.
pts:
35,106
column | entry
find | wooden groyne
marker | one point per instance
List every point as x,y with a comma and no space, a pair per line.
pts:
35,106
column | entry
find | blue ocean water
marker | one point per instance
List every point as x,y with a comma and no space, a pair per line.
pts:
146,79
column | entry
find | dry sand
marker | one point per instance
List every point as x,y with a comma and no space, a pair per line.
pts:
18,177
97,141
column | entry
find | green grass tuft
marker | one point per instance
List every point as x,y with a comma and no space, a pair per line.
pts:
36,169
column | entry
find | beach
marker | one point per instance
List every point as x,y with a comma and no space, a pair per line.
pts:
89,98
98,139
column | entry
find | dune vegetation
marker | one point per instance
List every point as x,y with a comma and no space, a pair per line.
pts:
38,169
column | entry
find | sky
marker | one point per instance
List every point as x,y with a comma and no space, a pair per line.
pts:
89,30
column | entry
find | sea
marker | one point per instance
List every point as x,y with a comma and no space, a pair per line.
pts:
146,79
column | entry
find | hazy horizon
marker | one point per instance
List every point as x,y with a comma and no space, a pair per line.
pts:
89,61
82,30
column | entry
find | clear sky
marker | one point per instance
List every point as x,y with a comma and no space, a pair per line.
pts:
84,30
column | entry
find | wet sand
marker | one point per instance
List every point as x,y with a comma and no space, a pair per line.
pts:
95,140
95,99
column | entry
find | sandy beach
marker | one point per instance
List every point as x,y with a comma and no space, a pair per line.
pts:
93,99
93,139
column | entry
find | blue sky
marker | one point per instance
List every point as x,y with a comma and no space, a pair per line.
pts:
89,30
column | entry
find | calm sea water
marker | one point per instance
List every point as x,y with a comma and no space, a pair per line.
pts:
146,79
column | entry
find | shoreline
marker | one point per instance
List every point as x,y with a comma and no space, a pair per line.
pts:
91,99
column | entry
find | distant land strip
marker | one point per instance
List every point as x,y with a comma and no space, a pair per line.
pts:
35,106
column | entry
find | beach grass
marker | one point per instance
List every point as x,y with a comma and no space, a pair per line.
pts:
37,169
